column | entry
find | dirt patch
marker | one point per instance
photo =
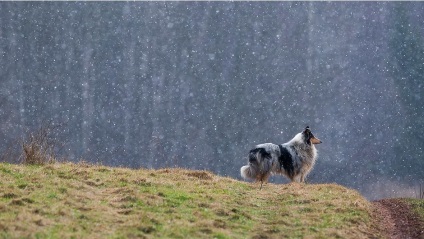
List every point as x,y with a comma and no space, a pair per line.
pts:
396,219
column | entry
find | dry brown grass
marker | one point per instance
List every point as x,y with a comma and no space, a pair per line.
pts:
92,201
39,146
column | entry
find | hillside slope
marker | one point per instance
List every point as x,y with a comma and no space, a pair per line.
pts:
85,201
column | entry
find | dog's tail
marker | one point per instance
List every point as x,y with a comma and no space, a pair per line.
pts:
249,171
253,169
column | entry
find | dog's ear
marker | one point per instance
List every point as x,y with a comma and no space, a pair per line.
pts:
310,138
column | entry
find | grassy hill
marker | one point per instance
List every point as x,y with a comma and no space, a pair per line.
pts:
84,201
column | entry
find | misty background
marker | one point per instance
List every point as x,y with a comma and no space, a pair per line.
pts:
198,84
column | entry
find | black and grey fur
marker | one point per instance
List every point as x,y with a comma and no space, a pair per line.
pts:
294,159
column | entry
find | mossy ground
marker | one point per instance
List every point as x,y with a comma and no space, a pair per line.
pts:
66,200
417,205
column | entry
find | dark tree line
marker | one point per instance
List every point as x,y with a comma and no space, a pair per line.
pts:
195,84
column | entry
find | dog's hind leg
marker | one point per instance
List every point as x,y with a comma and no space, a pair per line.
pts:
264,178
302,178
297,179
261,179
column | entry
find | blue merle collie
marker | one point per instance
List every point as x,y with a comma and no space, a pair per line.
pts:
294,159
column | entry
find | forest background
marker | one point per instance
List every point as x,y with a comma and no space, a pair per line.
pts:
198,84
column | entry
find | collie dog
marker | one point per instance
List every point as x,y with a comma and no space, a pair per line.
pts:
294,159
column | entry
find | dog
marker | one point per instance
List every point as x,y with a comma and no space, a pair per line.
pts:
294,159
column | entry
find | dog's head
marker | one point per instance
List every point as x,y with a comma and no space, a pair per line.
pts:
309,137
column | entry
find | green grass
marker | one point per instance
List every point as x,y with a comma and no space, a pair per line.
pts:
417,206
84,201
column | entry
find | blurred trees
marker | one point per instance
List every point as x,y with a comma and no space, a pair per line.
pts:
196,85
407,54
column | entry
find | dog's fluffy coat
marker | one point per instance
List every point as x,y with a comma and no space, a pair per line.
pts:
294,159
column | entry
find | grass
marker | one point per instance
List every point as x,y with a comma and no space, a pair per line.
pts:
40,146
417,205
65,200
